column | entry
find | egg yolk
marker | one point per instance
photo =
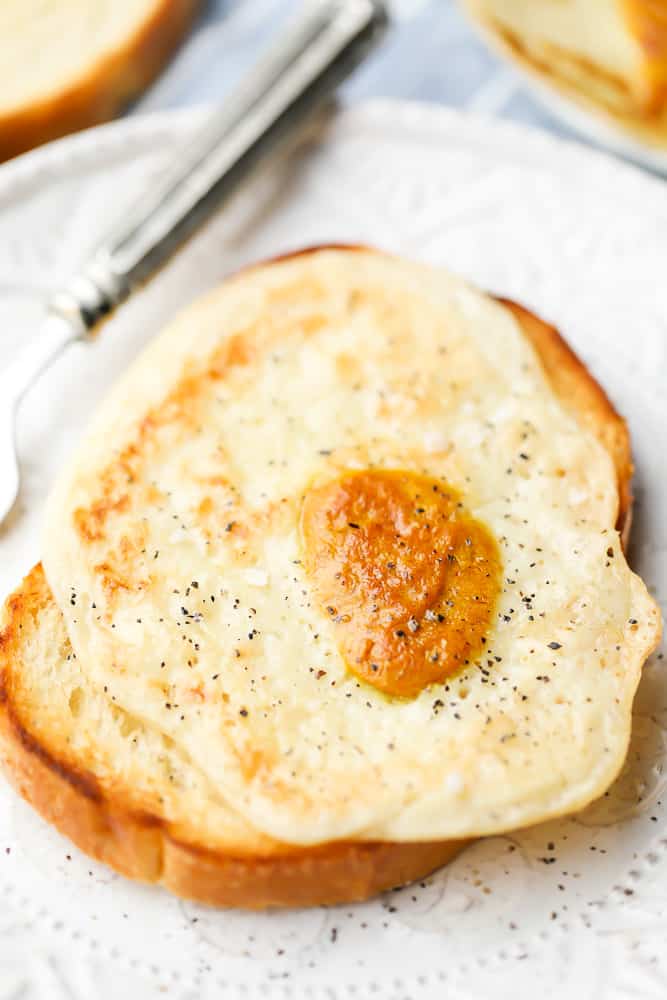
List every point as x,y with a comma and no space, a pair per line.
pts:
408,578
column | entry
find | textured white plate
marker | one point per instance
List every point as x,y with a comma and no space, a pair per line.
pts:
575,908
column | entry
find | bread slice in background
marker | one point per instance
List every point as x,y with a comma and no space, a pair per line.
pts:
69,64
608,55
126,795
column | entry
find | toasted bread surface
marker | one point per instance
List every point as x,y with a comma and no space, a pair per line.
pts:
88,78
134,824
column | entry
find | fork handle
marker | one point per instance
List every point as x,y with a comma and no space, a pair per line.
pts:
290,82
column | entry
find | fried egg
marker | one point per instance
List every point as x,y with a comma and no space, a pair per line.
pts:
338,538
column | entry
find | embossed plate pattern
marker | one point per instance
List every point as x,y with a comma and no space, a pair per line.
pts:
574,908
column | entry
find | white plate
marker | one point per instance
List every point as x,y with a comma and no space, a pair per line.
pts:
578,238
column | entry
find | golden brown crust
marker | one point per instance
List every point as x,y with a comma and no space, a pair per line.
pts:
143,846
334,873
130,846
101,94
647,21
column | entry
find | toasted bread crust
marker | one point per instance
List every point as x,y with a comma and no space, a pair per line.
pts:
101,93
142,846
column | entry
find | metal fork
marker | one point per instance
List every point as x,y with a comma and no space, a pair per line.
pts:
297,74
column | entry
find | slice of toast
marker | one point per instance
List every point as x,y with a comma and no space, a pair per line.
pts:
127,796
69,64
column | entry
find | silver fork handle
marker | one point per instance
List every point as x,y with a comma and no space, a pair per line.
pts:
295,77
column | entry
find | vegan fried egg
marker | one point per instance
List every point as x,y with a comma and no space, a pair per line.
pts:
336,536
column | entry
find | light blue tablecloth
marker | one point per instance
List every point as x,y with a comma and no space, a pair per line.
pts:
432,54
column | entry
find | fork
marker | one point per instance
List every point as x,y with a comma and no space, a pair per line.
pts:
289,83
